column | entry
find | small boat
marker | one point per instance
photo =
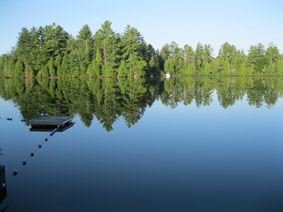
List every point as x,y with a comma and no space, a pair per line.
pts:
167,75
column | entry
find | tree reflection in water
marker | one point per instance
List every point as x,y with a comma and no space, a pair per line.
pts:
109,99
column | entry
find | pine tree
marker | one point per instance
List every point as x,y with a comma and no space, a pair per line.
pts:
199,56
105,40
227,55
85,47
131,43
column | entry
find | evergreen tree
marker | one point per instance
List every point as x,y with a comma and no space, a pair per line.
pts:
227,55
105,41
85,47
131,43
50,51
24,48
199,55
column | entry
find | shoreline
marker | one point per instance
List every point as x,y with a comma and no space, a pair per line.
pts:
176,76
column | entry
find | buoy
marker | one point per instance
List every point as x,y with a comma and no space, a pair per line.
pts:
39,146
15,172
3,185
24,162
32,154
46,139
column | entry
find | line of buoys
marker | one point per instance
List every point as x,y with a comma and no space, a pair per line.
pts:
9,119
15,171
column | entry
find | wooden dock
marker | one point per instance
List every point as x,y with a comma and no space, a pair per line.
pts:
50,128
51,121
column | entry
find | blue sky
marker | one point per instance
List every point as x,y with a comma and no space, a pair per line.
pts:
241,22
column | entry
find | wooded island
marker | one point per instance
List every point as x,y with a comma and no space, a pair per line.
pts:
49,52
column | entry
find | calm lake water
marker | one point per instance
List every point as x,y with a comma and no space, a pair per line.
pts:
184,144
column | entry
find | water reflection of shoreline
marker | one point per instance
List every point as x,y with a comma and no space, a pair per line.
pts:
109,99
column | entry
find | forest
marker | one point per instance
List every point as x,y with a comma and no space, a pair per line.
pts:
108,100
51,52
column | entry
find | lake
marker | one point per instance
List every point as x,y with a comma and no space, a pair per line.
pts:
183,144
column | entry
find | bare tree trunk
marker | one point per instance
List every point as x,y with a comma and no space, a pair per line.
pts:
185,58
105,98
229,68
27,74
135,75
27,79
86,46
130,58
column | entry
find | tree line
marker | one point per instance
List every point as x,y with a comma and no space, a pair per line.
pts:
230,60
108,100
52,52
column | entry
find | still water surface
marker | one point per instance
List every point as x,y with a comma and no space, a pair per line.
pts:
190,144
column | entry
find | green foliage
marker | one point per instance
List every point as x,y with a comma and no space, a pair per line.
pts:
51,68
169,66
227,55
19,69
44,71
85,48
4,65
133,51
106,41
256,57
229,61
11,67
51,52
123,70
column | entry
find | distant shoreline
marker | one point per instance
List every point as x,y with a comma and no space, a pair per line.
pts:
176,76
50,51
